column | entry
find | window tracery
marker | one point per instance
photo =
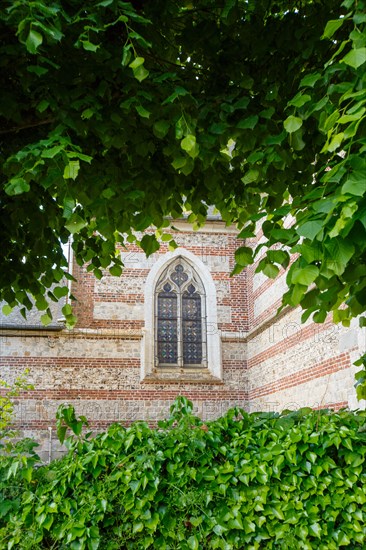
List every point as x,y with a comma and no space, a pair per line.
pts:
180,317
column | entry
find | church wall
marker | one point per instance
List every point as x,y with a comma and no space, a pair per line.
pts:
270,361
97,366
292,365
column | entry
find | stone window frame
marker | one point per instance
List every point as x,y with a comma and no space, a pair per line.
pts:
149,371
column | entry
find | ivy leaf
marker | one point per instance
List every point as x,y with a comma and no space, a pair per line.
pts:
310,229
355,184
75,223
310,80
244,256
193,543
46,319
115,270
292,123
72,169
17,186
89,46
161,128
355,58
144,113
340,252
149,244
305,276
188,143
248,123
6,309
332,26
34,40
299,100
315,529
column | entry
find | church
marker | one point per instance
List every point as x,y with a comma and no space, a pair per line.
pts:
176,323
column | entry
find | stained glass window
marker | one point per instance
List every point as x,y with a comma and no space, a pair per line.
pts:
180,317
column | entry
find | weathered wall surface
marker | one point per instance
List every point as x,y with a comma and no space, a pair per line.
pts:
292,365
97,366
269,361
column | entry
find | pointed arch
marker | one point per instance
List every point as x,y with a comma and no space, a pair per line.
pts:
180,316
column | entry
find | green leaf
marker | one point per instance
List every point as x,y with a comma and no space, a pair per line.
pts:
46,319
140,73
137,62
310,229
72,169
6,309
248,123
89,46
34,40
179,162
271,271
355,58
310,80
355,184
87,113
250,176
332,26
67,310
335,143
161,128
188,143
115,270
149,244
315,529
52,151
144,113
244,256
42,105
60,291
305,276
17,186
193,543
340,252
299,100
75,223
126,56
292,123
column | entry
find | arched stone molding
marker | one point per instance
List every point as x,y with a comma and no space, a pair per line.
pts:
214,360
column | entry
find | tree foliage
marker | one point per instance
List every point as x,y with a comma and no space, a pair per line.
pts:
117,115
254,481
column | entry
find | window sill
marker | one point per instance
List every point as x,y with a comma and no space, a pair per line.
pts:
178,376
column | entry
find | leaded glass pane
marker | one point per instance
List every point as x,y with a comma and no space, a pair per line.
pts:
167,305
167,329
179,276
167,353
192,328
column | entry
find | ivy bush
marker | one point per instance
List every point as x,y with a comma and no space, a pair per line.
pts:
17,456
253,481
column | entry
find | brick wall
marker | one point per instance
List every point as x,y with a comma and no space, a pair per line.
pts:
290,364
97,366
269,361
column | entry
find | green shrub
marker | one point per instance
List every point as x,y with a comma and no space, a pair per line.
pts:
294,480
17,456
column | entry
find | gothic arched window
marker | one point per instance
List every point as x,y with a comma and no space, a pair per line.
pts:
180,317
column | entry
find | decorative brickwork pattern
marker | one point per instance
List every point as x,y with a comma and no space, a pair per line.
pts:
267,361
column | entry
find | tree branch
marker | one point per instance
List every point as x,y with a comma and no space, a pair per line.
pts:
25,126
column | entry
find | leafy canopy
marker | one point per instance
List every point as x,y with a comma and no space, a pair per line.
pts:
117,115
